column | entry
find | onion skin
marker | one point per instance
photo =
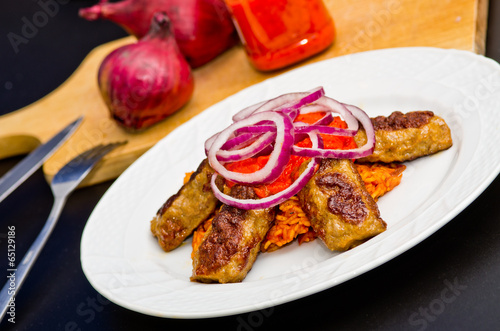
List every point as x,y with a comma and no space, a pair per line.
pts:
144,82
203,28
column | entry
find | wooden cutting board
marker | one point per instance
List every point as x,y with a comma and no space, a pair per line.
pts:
361,25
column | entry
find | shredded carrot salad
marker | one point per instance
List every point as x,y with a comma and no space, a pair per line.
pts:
187,176
291,222
380,178
199,233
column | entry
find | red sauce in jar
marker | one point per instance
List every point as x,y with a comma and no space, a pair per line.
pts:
279,33
289,174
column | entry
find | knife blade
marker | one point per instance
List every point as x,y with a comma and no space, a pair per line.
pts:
25,168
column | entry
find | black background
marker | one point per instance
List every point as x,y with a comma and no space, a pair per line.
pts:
407,293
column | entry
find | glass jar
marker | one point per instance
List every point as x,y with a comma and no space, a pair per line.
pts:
279,33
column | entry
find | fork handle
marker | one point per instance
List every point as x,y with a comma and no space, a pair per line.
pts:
8,293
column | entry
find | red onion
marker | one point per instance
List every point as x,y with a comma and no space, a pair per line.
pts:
300,126
334,106
274,199
241,137
277,160
144,82
245,112
255,128
286,103
355,153
314,108
203,28
254,148
239,141
324,129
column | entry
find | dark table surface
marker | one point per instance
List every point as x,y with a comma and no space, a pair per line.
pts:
406,293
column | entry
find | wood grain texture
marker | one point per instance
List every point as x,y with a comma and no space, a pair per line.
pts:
361,26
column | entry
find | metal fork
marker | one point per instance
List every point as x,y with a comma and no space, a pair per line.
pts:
62,185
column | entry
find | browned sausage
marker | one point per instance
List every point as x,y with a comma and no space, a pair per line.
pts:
404,137
231,244
341,211
185,210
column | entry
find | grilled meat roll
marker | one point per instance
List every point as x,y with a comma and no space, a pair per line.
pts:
404,137
185,210
341,211
231,244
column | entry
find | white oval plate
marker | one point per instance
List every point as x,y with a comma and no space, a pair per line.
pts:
123,261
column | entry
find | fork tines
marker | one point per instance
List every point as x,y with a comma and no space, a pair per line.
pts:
86,159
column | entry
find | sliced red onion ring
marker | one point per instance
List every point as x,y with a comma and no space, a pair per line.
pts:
355,153
247,111
268,128
325,120
277,159
239,141
325,129
241,136
366,121
286,103
292,109
256,129
321,126
209,142
314,108
254,148
277,198
335,107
